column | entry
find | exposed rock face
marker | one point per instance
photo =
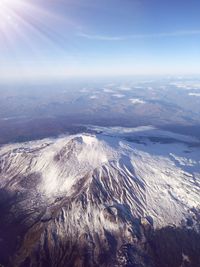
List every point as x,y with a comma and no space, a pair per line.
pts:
95,201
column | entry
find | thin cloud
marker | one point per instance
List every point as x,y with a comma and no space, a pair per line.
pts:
138,36
102,37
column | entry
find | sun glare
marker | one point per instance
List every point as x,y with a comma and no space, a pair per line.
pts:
9,14
21,20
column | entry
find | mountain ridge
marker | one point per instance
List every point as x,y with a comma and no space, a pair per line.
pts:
94,200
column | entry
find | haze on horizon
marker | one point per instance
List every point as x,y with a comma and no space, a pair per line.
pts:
45,39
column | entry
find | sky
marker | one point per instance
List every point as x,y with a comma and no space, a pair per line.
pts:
78,38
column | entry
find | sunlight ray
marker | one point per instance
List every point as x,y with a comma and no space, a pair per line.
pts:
21,18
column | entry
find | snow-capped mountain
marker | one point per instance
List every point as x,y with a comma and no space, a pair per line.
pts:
96,199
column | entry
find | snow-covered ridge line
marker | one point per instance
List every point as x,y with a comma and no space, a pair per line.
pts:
93,190
164,176
142,131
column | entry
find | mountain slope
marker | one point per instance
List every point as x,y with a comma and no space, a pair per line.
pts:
94,200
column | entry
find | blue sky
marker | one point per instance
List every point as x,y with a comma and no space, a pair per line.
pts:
64,38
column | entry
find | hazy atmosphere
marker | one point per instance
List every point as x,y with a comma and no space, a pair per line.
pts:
99,133
46,39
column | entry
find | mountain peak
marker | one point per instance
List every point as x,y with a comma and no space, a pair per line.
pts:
98,189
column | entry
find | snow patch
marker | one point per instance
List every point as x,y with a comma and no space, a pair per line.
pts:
108,90
93,97
125,88
119,95
137,101
194,94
